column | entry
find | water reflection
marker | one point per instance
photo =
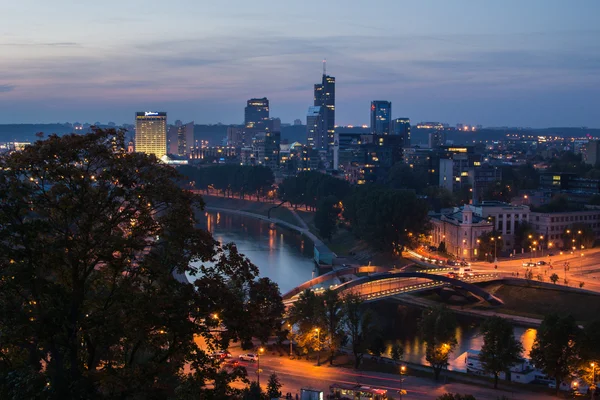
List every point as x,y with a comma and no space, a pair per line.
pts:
400,324
280,254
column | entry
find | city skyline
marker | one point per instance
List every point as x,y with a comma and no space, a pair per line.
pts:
508,64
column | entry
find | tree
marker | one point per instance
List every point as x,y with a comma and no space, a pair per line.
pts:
95,246
326,216
307,314
437,328
359,325
554,278
332,317
273,387
489,244
457,396
397,352
500,349
554,350
253,392
580,234
442,247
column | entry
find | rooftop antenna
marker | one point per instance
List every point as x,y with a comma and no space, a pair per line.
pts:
324,66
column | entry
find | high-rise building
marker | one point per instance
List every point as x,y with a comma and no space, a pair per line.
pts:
592,153
381,117
325,98
151,133
402,128
316,134
256,113
180,138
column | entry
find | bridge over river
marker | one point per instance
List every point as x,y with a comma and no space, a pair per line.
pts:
380,283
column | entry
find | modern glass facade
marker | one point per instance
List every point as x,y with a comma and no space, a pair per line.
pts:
151,133
381,117
325,98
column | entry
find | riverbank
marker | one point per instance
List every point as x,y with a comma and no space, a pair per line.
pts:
523,305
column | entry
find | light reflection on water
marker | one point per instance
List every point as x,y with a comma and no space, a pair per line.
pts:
280,254
403,329
286,258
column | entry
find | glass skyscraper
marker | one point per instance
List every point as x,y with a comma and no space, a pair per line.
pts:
402,128
381,117
325,98
256,113
151,133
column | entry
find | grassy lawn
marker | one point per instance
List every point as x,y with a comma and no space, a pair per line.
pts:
255,207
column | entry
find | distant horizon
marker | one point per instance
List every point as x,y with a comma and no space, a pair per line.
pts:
509,63
413,123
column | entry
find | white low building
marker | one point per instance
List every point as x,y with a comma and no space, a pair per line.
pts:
459,229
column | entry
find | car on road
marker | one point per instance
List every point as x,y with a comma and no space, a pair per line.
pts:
433,248
529,264
248,357
222,354
232,363
541,262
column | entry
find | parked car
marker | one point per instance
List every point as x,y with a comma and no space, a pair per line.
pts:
248,357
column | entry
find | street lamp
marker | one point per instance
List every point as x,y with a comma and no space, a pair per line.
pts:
260,350
402,372
542,244
319,347
593,387
535,248
291,336
495,248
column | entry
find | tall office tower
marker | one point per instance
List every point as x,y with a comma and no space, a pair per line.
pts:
180,139
235,136
325,98
151,133
381,117
316,134
402,128
256,113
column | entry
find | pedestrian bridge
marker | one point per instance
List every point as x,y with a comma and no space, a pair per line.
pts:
383,283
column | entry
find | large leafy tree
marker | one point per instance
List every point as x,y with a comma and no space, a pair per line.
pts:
385,218
332,317
326,216
438,330
359,324
554,350
500,349
306,315
95,245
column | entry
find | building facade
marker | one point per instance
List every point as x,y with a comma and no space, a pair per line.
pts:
181,140
316,133
505,218
459,229
151,133
401,127
256,113
553,226
381,117
324,97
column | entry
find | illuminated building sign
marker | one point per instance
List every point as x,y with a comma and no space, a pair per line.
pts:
458,149
150,113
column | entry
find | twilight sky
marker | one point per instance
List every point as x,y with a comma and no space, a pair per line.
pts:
510,62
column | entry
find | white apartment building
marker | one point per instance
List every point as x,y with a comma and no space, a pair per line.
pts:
554,225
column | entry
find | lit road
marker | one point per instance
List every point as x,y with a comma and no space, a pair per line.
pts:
584,268
296,374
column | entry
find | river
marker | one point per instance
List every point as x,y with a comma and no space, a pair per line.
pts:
285,256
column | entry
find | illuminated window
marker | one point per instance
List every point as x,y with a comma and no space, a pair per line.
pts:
464,173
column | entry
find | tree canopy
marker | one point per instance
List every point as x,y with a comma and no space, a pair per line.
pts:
95,244
438,330
500,349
